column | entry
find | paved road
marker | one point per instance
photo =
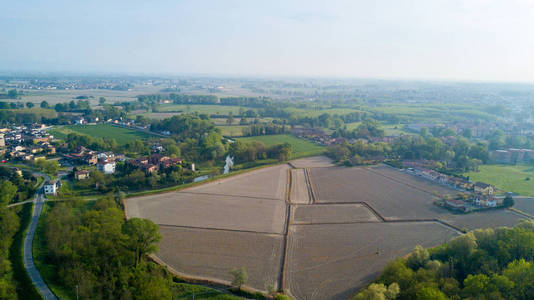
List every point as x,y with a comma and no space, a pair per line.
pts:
36,278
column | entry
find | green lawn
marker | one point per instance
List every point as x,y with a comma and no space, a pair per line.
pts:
121,135
310,112
202,109
184,291
509,178
236,130
301,148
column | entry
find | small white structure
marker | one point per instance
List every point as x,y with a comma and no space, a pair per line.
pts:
51,188
106,165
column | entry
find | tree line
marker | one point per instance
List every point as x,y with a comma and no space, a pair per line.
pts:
103,256
251,151
482,264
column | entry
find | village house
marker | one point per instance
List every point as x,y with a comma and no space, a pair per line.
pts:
106,165
51,187
81,174
455,204
483,188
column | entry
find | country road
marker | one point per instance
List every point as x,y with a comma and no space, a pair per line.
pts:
34,274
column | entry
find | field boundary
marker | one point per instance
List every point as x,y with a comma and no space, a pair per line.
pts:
285,240
309,185
220,229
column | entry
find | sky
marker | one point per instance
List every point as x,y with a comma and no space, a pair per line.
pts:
472,40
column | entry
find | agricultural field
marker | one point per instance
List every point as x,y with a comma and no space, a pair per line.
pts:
316,230
309,112
121,135
223,110
334,261
509,178
301,148
389,129
232,131
214,227
392,198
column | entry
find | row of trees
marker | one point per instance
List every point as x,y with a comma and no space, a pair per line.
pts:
264,129
247,152
9,224
461,156
482,264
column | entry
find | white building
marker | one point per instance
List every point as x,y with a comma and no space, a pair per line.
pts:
51,188
106,165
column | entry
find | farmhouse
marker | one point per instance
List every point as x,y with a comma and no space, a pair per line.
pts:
82,174
155,162
483,188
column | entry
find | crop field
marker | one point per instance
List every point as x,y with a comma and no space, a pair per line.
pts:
211,254
234,130
312,162
299,188
509,178
525,205
308,112
334,261
201,109
121,135
483,219
301,148
393,199
332,214
334,235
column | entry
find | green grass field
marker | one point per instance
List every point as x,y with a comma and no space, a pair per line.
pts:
121,135
509,178
202,109
232,130
310,112
301,148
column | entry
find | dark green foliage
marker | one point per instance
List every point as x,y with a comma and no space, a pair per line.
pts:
104,255
482,264
247,152
9,225
25,287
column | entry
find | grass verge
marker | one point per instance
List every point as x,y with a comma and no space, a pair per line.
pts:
25,288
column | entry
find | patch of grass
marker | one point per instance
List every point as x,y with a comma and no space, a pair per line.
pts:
202,109
185,291
25,288
509,178
311,112
121,135
40,252
233,131
301,148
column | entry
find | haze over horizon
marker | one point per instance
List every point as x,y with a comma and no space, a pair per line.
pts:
436,40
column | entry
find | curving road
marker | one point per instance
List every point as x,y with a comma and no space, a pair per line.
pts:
36,278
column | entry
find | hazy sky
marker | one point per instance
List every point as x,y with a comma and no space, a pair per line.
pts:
418,39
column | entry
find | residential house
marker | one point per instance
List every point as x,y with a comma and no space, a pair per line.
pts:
483,188
51,187
106,165
81,174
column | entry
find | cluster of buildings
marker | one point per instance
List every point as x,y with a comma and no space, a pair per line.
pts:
104,161
156,162
26,142
512,156
477,195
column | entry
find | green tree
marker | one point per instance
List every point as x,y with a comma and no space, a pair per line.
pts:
240,277
44,104
29,104
101,100
143,236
